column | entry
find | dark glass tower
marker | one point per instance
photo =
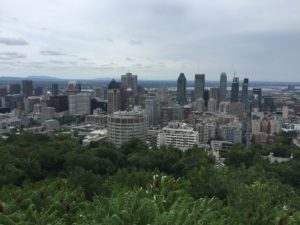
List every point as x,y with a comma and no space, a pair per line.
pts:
235,90
245,93
199,86
27,88
54,89
181,89
223,87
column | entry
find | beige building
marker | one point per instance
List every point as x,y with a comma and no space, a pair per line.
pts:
123,126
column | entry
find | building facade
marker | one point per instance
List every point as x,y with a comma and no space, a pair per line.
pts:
123,126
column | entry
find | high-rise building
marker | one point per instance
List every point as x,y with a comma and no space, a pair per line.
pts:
60,103
125,125
235,90
114,97
3,91
162,95
55,89
257,99
212,105
14,89
199,86
214,93
80,104
269,105
38,91
181,89
223,87
73,88
27,88
206,97
153,111
245,93
129,81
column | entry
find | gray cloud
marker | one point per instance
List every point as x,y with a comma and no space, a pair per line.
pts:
162,37
12,41
135,42
52,53
57,62
11,55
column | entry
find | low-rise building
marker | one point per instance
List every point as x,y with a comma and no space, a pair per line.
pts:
179,135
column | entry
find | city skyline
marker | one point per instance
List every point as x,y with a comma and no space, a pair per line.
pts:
153,39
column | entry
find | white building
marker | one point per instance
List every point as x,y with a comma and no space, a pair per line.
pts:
123,126
179,135
80,104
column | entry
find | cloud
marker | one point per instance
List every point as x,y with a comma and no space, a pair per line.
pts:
57,62
52,53
135,42
12,41
11,55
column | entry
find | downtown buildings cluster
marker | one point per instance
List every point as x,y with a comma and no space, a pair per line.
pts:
210,117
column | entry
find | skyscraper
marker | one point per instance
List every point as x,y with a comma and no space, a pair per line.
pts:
27,88
181,89
114,97
257,99
54,89
199,86
129,81
14,89
235,90
223,87
245,93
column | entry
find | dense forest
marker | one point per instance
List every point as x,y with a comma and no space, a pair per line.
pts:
54,180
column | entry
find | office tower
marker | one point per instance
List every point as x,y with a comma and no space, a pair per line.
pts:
199,105
223,87
179,135
127,98
269,105
199,86
54,89
214,93
60,103
257,99
14,89
245,93
73,88
3,91
212,105
114,97
38,91
152,110
27,88
181,89
235,90
162,95
206,97
129,81
125,125
80,104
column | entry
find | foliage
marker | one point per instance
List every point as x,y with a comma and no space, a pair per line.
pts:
54,180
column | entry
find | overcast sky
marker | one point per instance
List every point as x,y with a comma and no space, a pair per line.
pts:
155,39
